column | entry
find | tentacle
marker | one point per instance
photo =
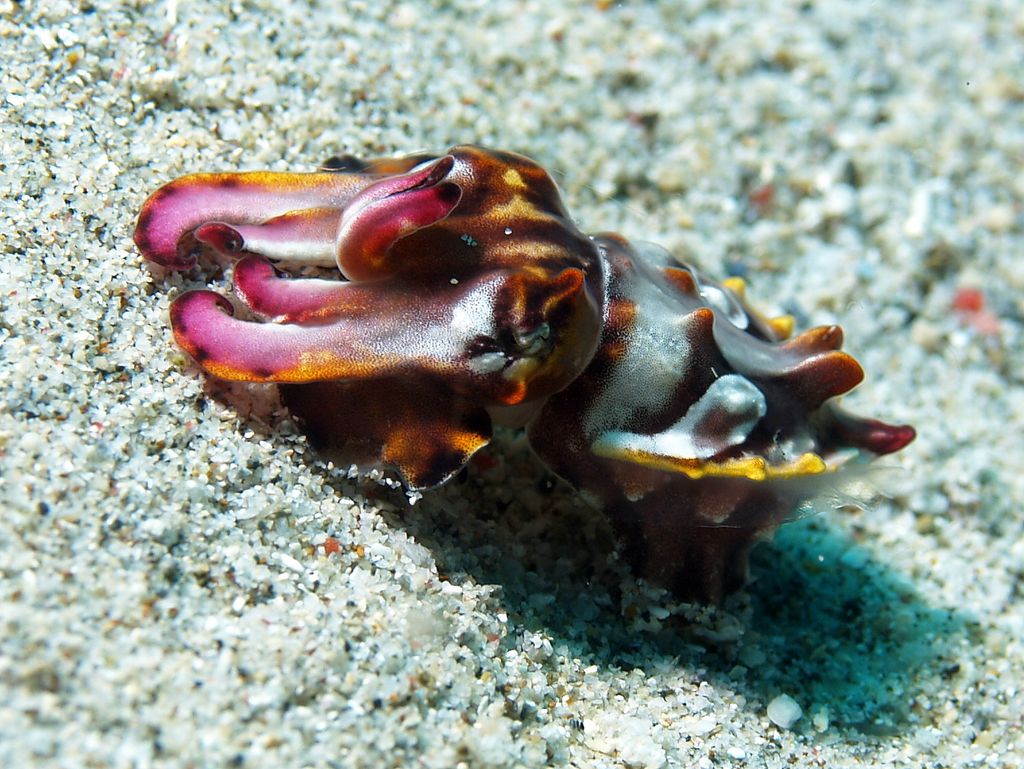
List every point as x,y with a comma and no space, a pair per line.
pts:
385,166
815,340
809,366
176,209
417,426
722,417
819,378
389,210
503,336
871,434
230,348
273,297
308,236
374,333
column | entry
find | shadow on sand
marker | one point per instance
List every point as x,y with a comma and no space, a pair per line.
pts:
820,620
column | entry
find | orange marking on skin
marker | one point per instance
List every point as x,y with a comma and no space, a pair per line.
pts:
818,339
234,373
312,366
299,181
516,392
322,365
307,214
567,284
513,179
278,181
682,280
415,447
750,468
518,210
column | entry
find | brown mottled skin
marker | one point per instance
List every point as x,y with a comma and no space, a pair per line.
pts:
467,295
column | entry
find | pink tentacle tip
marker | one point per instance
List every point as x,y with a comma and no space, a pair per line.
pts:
192,312
157,248
388,211
886,439
252,271
222,237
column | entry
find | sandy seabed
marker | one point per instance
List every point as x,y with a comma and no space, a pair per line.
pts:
184,583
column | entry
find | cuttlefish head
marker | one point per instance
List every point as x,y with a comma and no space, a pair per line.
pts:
459,274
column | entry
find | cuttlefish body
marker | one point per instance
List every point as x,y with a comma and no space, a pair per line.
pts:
466,296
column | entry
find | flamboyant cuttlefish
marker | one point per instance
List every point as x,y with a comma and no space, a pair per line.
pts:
468,297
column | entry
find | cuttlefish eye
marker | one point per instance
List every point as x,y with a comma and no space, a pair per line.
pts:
489,354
